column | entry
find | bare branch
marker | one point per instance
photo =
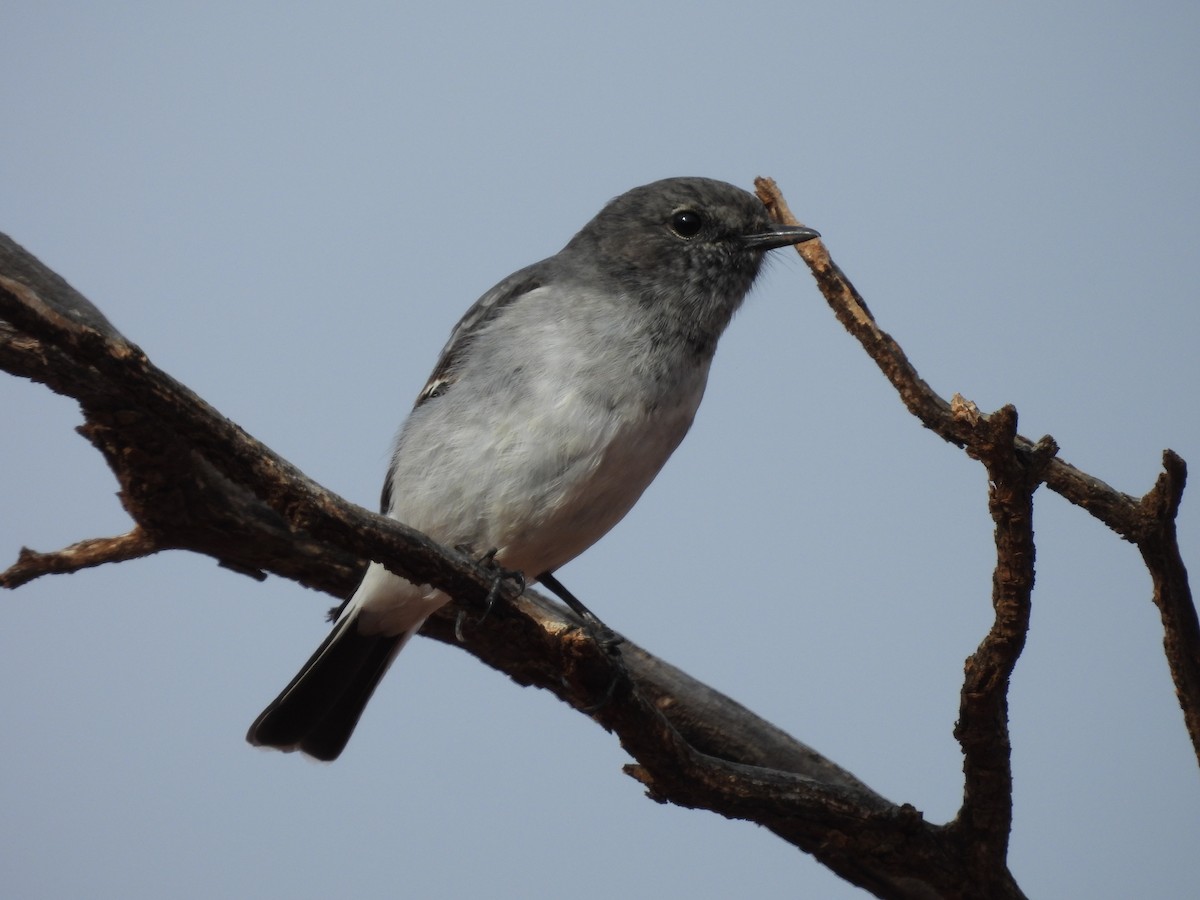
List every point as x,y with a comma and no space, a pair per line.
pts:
94,552
1172,594
1149,523
191,479
982,728
1119,511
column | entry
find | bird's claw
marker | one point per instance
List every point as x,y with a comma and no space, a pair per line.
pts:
606,639
499,576
609,643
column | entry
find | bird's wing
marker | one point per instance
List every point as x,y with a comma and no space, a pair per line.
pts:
484,310
446,371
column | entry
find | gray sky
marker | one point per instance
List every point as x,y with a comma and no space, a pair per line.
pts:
289,206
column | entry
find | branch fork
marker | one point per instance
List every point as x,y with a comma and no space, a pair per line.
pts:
190,479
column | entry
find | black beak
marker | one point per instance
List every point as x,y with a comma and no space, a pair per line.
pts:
780,236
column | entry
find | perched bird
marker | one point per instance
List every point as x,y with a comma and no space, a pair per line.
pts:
559,396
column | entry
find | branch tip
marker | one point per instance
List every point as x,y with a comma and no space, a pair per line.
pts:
31,564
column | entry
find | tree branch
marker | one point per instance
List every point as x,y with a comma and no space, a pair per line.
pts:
1172,594
985,819
190,479
1149,522
93,552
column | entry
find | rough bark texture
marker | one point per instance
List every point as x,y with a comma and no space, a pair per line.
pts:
190,479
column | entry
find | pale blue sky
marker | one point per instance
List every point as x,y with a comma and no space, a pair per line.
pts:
289,205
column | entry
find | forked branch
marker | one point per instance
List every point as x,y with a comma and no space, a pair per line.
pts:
190,479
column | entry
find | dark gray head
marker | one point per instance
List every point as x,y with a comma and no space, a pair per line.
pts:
690,247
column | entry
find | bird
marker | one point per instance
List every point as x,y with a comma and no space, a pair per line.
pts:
558,398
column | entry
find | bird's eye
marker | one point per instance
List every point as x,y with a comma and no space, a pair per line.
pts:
686,223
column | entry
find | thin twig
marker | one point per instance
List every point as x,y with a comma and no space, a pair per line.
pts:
93,552
1119,511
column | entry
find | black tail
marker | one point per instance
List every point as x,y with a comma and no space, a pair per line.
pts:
317,712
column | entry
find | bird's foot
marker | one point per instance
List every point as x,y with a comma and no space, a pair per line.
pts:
499,576
604,637
607,639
